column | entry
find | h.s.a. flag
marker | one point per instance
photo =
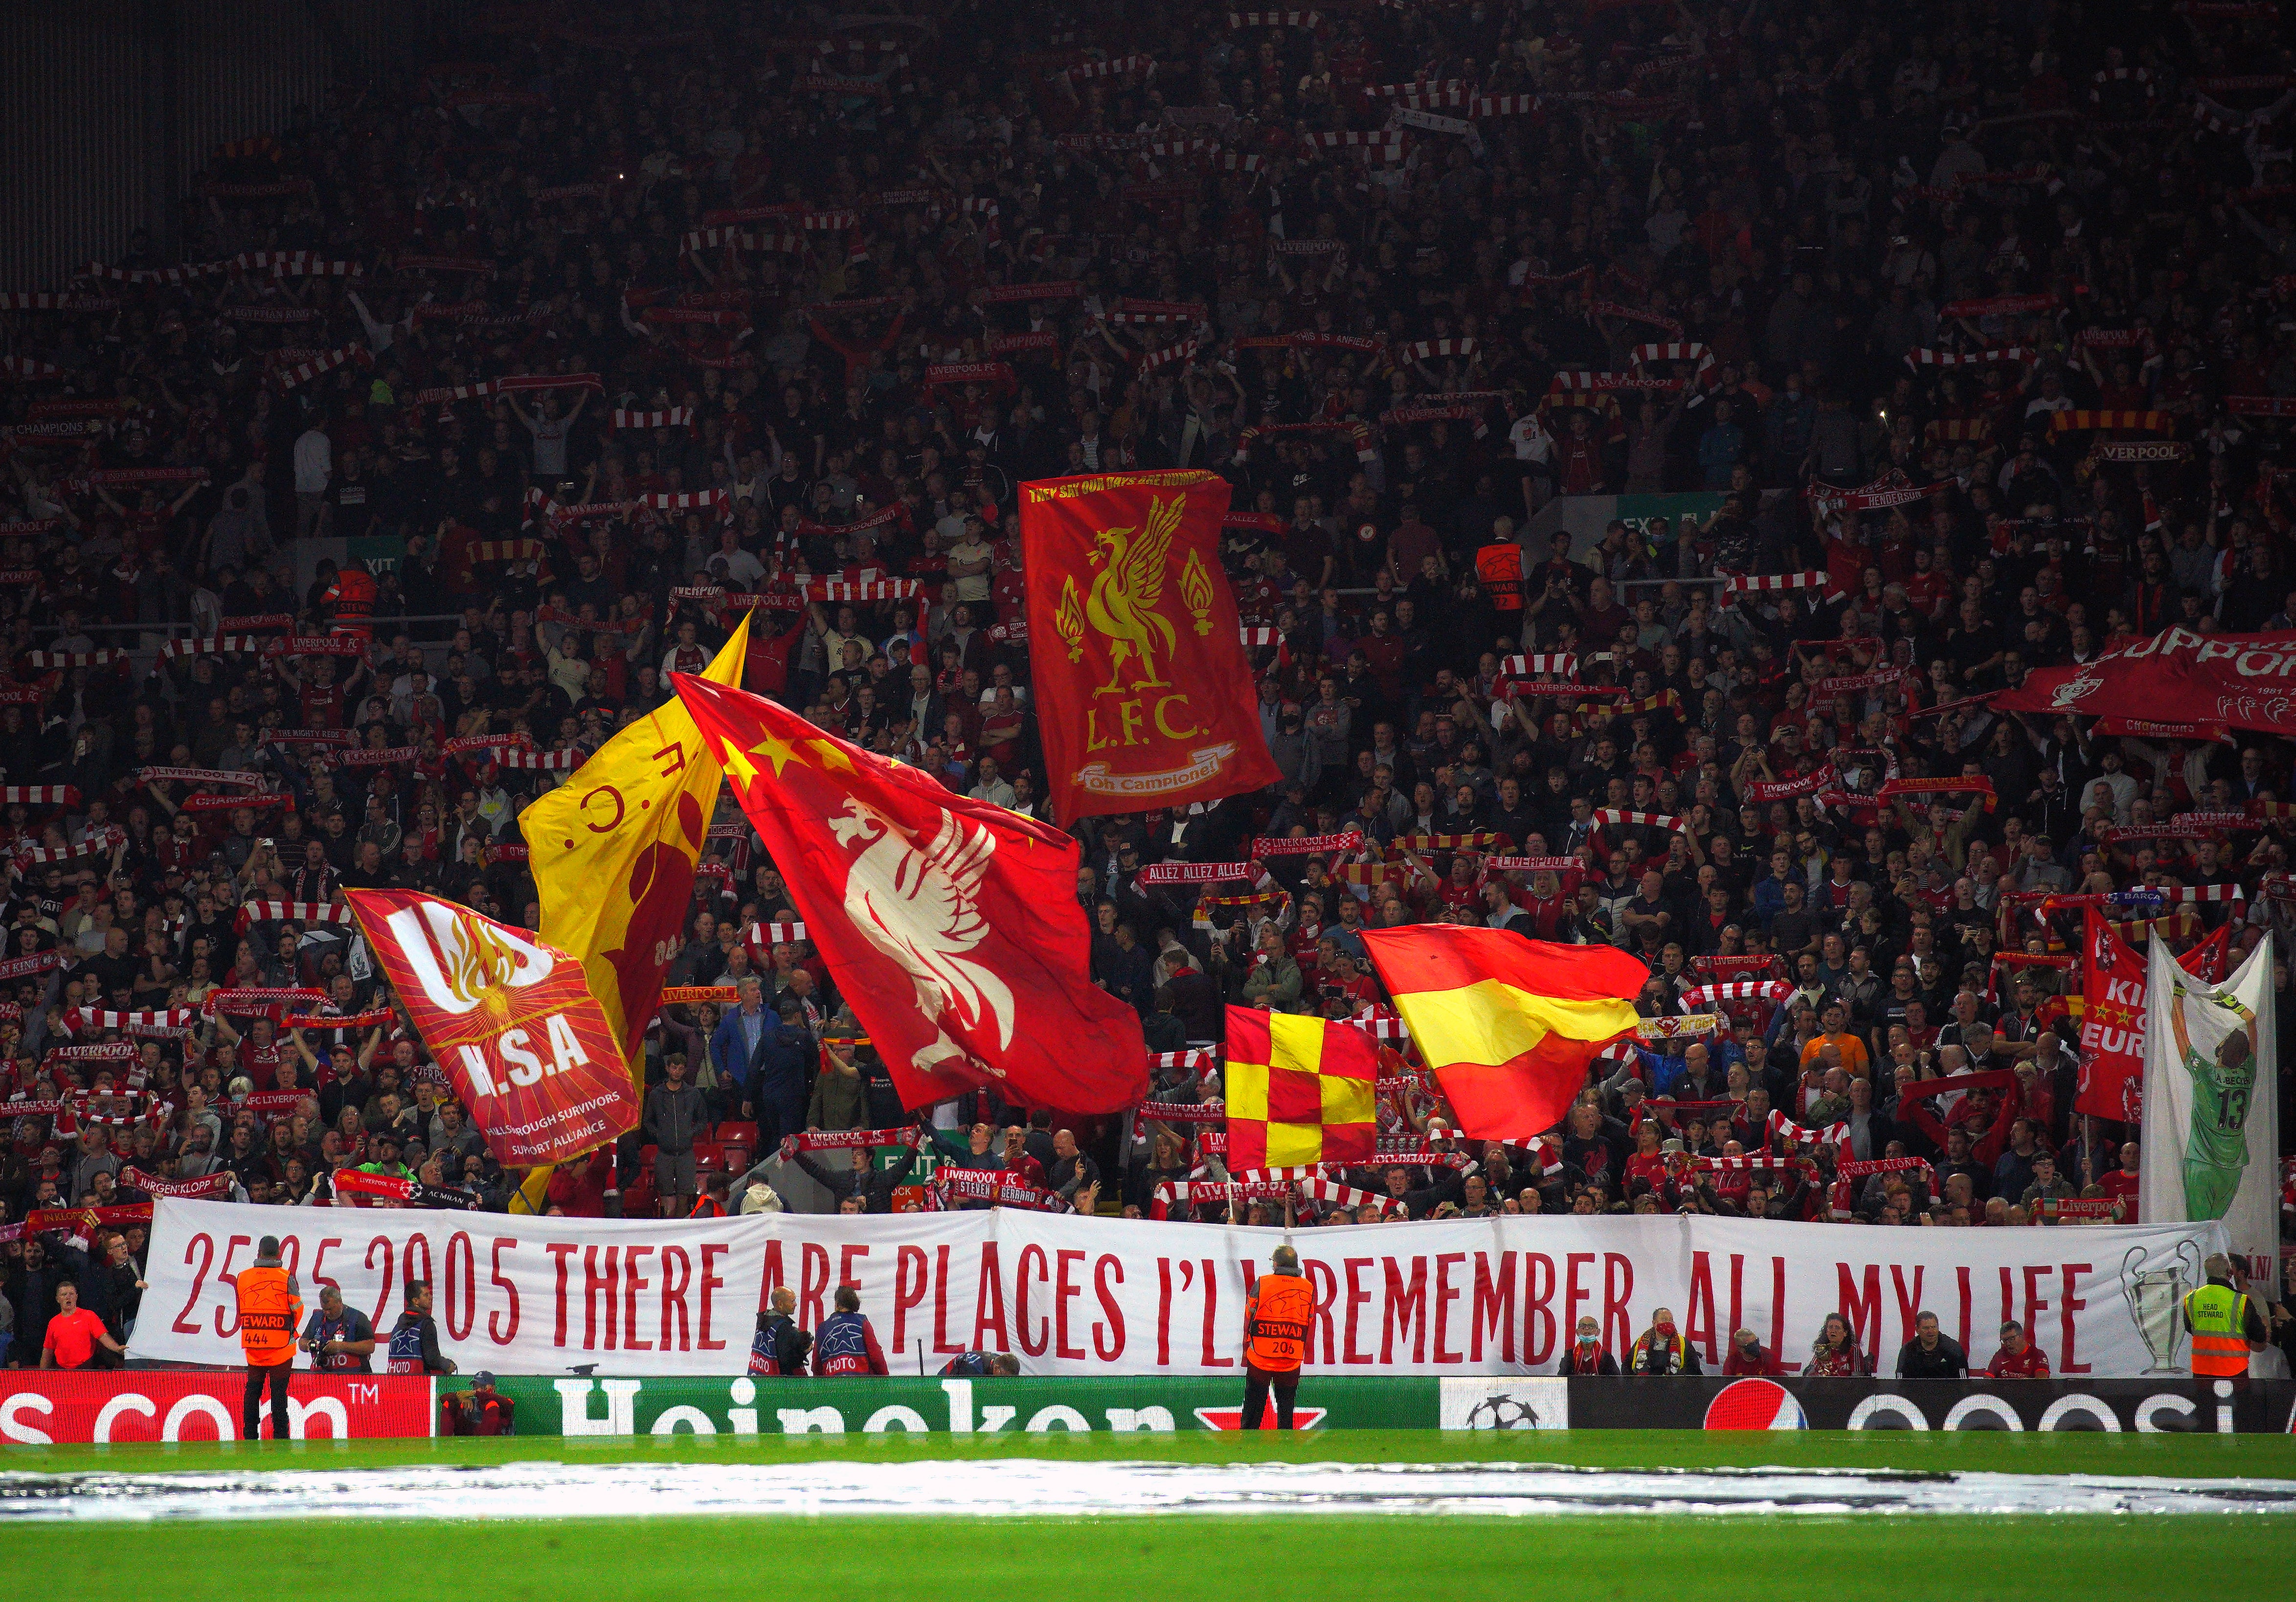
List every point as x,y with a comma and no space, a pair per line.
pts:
950,924
1507,1024
1299,1090
1143,691
2111,1082
612,852
2211,1141
510,1019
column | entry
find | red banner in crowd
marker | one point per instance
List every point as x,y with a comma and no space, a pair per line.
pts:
2241,680
2111,1077
526,1046
950,923
1144,692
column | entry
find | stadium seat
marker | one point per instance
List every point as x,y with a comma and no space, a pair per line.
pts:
639,1197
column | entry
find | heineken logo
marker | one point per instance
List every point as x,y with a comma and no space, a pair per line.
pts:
1034,1405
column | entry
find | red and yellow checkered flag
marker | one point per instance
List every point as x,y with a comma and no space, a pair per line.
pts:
1299,1090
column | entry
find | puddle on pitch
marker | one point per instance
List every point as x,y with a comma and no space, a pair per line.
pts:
1015,1487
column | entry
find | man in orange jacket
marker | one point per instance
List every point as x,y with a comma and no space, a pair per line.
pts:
1276,1320
270,1312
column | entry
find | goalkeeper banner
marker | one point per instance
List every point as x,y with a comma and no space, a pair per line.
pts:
2212,1105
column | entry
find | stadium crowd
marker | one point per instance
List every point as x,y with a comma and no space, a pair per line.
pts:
794,301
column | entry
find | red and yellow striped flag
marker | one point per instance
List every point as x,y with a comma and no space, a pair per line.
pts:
1507,1024
1299,1090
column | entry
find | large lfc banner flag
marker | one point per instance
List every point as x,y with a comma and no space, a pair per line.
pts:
2212,1104
1143,691
613,849
512,1021
2236,680
950,925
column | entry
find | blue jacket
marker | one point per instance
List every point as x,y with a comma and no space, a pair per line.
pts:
783,1056
785,1062
1769,898
1664,1075
846,1345
734,1062
1718,450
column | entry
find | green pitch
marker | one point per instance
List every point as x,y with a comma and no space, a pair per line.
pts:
1168,1558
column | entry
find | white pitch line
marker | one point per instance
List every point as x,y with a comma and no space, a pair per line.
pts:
1008,1487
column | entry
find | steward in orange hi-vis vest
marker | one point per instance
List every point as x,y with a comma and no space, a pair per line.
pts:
1276,1322
270,1312
1499,567
350,600
1277,1317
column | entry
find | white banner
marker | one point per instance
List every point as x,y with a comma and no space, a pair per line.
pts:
2212,1105
518,1295
1080,1295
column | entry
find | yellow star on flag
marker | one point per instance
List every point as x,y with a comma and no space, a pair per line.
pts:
831,754
736,762
779,753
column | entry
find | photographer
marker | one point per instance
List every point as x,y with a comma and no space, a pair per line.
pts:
481,1410
340,1338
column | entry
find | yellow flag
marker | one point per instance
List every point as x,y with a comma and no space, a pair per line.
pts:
612,852
531,1199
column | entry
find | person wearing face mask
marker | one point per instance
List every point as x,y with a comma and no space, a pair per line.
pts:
1661,1349
1586,1356
1749,1356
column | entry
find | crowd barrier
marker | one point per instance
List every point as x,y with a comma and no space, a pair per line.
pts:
140,1405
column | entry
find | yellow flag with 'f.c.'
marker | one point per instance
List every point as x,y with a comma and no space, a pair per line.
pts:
613,850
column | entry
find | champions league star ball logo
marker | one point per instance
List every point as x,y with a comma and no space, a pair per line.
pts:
1503,1412
1755,1404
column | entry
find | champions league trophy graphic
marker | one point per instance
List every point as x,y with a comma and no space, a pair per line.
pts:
2156,1297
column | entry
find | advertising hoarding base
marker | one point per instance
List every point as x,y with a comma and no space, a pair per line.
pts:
38,1408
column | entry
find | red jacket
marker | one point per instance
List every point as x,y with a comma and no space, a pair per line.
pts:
579,1189
2028,1364
2009,1107
1762,1362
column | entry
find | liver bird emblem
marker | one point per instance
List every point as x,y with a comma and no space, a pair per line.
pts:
1125,593
922,909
